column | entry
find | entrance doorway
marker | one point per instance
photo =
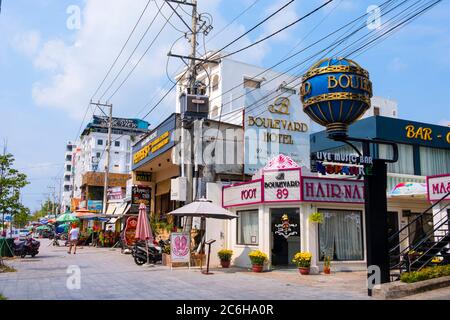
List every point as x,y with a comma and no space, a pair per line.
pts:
392,229
285,225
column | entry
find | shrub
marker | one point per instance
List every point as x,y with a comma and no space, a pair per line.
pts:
2,297
426,274
225,254
257,257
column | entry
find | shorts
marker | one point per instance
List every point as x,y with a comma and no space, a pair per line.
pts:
73,241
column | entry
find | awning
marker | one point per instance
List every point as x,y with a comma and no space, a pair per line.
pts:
112,220
111,208
122,209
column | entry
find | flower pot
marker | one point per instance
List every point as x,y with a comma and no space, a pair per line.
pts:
165,259
303,271
257,268
326,270
225,263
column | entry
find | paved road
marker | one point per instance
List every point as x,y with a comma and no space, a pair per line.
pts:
108,274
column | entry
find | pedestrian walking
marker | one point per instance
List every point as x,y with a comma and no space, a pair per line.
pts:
73,238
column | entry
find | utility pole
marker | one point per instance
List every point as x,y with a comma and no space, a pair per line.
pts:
2,169
108,151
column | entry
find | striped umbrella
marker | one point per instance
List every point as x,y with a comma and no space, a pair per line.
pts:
143,229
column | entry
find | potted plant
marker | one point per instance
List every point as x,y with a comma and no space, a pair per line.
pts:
303,261
327,264
225,257
316,217
258,259
166,255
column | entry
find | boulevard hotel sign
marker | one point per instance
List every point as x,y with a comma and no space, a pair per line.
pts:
288,185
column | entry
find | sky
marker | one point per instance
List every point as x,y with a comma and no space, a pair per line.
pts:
55,53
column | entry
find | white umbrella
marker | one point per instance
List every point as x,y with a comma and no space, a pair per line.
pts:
205,209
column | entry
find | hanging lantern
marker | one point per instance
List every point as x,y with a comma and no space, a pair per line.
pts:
335,93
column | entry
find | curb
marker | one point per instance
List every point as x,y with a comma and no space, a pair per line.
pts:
395,290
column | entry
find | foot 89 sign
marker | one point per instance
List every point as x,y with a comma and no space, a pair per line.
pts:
282,185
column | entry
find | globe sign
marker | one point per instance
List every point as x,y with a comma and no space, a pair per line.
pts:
335,93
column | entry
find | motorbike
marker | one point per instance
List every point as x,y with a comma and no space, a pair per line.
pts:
26,247
139,252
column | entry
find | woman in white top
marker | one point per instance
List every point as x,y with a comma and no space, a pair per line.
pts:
73,238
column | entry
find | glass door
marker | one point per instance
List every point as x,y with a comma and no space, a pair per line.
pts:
285,225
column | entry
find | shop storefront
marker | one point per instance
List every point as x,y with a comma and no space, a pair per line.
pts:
153,170
275,210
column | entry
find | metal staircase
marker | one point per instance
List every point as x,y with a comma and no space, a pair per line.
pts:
412,256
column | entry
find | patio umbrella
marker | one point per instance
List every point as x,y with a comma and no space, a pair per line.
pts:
205,209
66,217
143,229
43,228
409,189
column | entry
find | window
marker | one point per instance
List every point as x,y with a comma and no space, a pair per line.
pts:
215,82
68,168
117,143
340,235
376,111
67,178
434,161
68,157
100,142
98,155
253,84
214,112
405,163
247,227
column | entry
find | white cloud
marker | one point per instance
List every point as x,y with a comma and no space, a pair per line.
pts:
27,42
445,122
397,64
280,20
75,69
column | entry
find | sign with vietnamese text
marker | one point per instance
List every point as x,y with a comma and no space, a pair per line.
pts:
140,194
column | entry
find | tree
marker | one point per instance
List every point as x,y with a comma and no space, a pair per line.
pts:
11,181
22,217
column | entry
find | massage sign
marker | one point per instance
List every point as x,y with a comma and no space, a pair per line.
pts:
327,163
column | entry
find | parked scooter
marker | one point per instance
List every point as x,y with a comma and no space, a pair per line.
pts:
29,246
139,252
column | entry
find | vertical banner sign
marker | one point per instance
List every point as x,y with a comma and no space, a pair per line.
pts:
274,125
282,185
180,247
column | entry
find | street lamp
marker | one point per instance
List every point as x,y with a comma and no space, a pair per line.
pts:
335,93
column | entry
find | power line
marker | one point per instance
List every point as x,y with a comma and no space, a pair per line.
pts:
123,47
142,56
132,53
279,30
